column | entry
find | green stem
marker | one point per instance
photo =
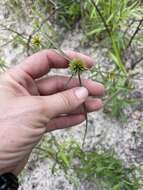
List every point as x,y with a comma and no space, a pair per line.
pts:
102,18
68,81
57,49
13,31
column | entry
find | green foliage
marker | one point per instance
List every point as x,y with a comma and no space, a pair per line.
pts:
16,8
103,168
107,21
115,13
69,13
36,15
118,90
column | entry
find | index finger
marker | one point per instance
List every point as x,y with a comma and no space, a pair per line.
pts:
40,63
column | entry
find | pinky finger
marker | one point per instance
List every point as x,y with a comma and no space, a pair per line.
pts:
65,122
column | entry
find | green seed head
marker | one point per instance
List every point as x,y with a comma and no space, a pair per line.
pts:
36,40
77,66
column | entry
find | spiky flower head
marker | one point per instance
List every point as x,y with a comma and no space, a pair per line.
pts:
77,66
36,40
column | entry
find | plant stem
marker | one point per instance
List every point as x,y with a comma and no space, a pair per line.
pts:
135,33
115,47
13,31
39,28
8,42
137,62
68,81
102,18
56,155
85,113
57,48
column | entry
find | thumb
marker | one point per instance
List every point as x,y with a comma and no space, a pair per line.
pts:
64,102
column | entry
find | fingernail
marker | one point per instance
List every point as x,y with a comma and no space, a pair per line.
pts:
81,93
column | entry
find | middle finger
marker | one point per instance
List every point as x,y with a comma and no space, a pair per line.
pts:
54,84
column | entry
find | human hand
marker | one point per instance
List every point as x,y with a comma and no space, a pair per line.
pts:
32,106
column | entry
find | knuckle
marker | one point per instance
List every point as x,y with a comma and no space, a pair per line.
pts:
57,82
66,101
42,106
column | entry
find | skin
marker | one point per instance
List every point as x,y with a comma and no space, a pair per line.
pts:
33,104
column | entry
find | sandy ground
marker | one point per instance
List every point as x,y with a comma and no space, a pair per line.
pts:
103,132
